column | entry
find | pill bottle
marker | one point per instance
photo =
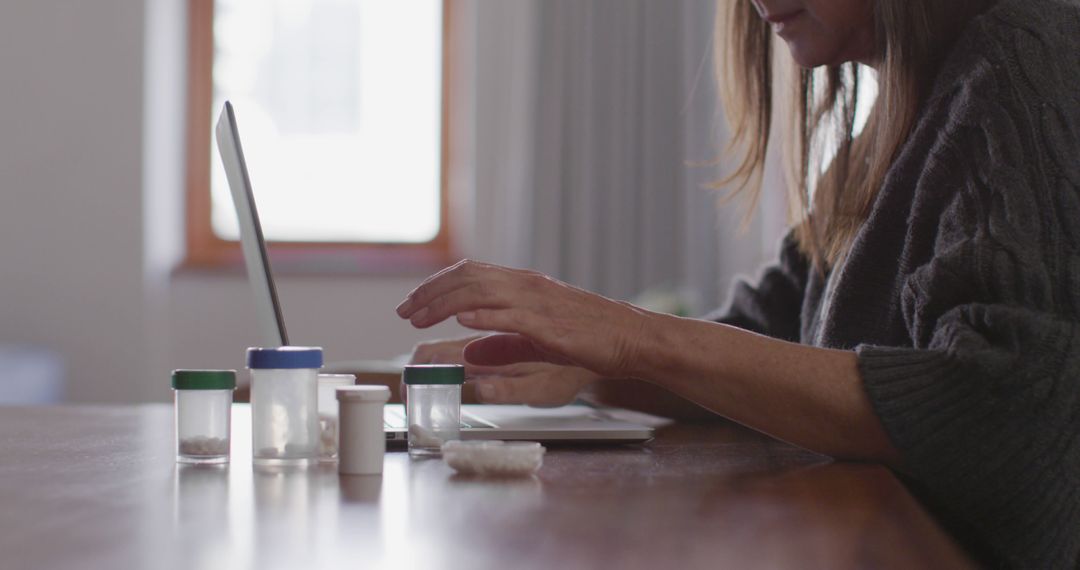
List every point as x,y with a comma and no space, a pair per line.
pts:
284,405
328,413
362,440
433,406
202,407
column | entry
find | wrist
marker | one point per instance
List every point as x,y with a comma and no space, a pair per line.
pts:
655,339
675,349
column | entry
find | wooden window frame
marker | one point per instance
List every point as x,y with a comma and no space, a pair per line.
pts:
205,250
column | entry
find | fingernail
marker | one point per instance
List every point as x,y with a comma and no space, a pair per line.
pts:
419,315
466,317
403,307
487,391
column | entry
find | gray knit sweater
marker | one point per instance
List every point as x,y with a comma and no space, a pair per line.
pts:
961,293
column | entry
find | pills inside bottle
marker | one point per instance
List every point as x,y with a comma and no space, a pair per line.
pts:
202,408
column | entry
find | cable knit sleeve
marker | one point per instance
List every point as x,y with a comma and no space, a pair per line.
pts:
772,305
985,406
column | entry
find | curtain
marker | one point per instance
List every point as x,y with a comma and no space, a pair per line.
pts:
590,123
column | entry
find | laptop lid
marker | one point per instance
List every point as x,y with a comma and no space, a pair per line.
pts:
267,306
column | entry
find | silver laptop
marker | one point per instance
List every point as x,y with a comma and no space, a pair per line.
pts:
575,423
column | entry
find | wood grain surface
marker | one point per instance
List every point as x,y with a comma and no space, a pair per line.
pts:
97,487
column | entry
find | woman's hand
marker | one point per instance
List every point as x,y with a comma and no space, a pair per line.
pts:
544,320
812,397
534,384
445,351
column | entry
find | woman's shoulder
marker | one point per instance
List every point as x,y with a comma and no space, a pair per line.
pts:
1012,80
1037,17
1019,48
999,136
1031,34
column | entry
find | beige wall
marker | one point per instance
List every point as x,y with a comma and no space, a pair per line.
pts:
74,273
70,187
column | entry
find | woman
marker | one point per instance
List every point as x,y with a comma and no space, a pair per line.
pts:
924,310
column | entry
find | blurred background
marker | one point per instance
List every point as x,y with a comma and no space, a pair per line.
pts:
385,140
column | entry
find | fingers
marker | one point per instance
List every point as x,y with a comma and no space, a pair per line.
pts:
450,279
409,305
500,350
490,391
529,390
440,351
505,349
469,296
563,325
515,320
473,370
451,352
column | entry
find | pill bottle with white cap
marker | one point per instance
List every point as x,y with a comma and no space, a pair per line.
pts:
203,405
284,405
433,407
361,439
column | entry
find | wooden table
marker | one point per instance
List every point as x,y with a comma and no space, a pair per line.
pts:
97,487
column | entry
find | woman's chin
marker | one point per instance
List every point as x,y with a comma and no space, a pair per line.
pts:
809,53
808,57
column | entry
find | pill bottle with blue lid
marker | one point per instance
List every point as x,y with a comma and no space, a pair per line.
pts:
202,409
433,406
284,405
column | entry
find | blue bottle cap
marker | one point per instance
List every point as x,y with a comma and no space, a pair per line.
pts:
284,357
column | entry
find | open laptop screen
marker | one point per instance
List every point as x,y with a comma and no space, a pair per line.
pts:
268,309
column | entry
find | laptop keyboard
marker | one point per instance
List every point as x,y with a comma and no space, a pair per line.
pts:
395,419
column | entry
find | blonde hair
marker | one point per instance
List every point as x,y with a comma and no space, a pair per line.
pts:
831,195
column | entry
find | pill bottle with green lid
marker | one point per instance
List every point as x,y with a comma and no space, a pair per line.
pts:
433,406
202,407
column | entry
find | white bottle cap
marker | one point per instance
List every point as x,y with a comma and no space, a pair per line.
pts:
363,393
336,379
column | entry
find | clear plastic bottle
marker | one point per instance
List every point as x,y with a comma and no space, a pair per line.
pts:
284,405
328,413
433,407
202,407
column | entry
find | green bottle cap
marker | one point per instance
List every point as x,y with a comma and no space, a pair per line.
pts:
204,379
434,374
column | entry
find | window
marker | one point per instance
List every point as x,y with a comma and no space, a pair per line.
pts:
341,106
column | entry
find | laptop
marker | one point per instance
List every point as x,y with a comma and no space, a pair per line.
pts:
573,423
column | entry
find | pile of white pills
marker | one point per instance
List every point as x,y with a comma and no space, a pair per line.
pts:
328,435
494,458
204,446
425,437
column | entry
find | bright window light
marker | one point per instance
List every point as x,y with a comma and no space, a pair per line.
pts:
339,108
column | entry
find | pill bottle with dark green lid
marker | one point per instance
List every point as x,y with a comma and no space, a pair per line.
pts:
202,407
433,406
